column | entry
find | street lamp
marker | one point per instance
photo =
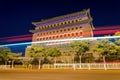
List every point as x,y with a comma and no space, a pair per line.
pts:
9,63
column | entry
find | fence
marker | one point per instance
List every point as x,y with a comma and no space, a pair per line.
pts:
4,66
88,66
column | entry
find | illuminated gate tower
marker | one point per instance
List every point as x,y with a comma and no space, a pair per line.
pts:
75,25
68,26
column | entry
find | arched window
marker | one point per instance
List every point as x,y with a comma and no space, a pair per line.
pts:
57,36
62,23
72,28
60,30
76,20
43,33
80,33
53,37
46,38
37,39
49,37
46,32
76,34
80,26
53,31
65,22
68,35
65,35
64,29
68,29
76,28
43,38
60,36
53,25
72,21
38,34
49,32
57,31
69,21
72,34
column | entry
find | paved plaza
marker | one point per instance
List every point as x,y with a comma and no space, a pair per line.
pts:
59,74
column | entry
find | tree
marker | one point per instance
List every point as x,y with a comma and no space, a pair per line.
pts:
53,52
6,54
117,41
13,56
36,51
102,48
80,47
114,51
4,51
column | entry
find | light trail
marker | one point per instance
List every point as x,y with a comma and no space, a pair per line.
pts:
105,32
107,27
100,30
20,36
61,40
19,39
96,33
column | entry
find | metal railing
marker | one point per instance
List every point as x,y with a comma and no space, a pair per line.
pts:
75,66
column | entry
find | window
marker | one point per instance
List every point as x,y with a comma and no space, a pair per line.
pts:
39,27
76,28
46,38
68,29
72,34
60,30
53,37
43,27
80,19
64,35
38,34
58,24
68,35
65,22
37,39
60,36
46,27
72,21
57,36
46,32
40,38
62,23
53,31
57,31
49,37
72,28
53,25
64,29
80,33
69,22
76,20
43,33
80,27
43,38
49,32
76,34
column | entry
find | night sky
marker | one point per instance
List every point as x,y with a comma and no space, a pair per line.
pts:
16,16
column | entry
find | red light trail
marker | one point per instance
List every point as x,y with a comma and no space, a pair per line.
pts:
105,30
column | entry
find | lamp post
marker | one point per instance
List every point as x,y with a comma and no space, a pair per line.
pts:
9,63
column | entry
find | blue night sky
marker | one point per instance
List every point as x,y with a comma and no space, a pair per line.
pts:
16,16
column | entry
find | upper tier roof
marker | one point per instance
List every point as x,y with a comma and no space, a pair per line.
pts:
83,13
